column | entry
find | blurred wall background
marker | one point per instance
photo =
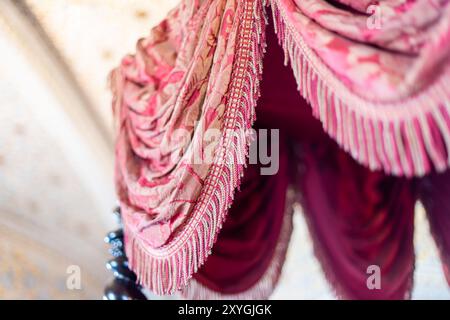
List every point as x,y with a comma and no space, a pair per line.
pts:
56,153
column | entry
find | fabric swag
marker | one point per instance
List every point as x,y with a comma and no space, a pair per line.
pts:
360,93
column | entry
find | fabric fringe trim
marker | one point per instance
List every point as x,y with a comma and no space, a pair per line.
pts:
267,283
324,260
337,288
319,251
409,137
168,269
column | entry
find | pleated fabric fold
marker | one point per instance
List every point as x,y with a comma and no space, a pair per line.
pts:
247,258
434,191
361,222
379,90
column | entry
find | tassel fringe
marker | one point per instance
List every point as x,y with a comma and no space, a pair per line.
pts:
409,137
168,269
265,286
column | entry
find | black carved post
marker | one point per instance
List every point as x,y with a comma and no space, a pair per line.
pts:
123,286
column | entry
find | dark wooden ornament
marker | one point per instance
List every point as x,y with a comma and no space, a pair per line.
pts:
124,285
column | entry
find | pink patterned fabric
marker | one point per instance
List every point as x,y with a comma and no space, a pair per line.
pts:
379,86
